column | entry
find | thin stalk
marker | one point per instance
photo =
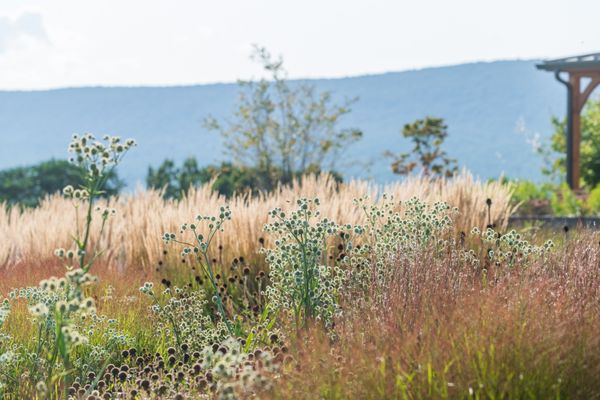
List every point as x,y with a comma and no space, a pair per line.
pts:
210,274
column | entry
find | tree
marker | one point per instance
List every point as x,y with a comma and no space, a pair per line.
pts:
26,186
177,181
281,129
427,136
590,147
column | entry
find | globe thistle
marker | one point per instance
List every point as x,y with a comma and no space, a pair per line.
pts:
39,310
41,388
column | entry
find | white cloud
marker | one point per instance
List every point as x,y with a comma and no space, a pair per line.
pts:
27,27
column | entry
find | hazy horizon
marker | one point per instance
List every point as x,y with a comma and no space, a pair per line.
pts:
292,79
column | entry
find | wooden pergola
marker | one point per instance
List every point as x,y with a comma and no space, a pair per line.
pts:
583,76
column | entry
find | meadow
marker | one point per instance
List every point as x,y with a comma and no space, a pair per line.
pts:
317,290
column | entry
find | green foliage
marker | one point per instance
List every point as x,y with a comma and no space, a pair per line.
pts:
227,178
547,198
590,146
593,201
427,136
527,190
177,181
532,198
26,186
282,130
565,202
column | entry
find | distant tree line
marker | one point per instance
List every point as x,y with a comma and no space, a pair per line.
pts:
26,186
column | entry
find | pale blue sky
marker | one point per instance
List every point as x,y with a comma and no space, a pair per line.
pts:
57,43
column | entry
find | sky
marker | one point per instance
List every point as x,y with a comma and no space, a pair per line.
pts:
70,43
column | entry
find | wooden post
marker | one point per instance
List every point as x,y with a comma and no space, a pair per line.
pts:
576,130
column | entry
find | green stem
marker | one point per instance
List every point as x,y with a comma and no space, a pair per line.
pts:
217,294
211,275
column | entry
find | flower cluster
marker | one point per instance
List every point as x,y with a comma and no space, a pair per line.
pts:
97,157
415,223
8,361
302,282
4,311
395,229
199,242
198,247
104,339
238,373
59,300
223,370
75,194
510,248
61,308
106,212
181,316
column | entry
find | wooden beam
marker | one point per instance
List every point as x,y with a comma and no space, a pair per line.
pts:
585,95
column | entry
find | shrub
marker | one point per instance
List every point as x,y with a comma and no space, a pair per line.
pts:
566,203
592,203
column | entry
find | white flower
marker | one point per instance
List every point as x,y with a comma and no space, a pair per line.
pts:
39,310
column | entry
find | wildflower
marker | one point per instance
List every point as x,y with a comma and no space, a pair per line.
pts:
41,387
39,310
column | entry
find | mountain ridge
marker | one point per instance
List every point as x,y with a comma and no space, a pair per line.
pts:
482,102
